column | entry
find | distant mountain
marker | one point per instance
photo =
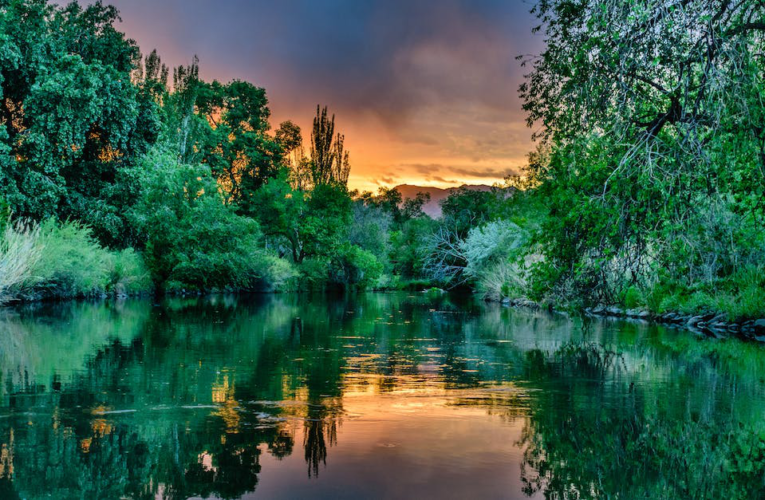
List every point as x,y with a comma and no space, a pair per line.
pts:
433,207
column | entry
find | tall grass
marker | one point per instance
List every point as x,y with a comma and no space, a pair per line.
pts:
63,260
73,264
20,251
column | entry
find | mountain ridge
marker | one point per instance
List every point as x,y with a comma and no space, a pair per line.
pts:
433,207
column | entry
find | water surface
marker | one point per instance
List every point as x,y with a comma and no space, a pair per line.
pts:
373,396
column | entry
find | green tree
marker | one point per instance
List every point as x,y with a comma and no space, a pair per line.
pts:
290,138
651,117
330,163
240,154
313,224
73,125
194,240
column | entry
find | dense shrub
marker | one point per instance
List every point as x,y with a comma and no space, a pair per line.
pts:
354,266
276,274
194,240
490,244
129,274
371,230
314,273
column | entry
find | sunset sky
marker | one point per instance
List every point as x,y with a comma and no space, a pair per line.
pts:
424,90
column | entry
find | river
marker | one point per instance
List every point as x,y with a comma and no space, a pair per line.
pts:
376,395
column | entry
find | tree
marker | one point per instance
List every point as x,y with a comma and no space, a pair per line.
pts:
313,224
390,201
371,229
651,113
236,147
330,162
280,210
194,240
290,138
184,128
412,208
466,208
72,126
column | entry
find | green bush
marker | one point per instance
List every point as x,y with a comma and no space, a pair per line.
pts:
129,274
195,241
370,230
276,275
633,298
314,273
63,260
355,266
740,295
490,244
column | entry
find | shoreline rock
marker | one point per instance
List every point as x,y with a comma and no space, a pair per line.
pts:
715,325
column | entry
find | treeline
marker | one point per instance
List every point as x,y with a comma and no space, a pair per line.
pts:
651,156
118,174
646,189
121,175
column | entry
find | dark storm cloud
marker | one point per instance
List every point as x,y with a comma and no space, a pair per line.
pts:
386,56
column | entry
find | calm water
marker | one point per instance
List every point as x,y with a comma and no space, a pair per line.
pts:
369,396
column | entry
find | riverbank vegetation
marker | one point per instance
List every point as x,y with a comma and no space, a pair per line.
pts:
120,175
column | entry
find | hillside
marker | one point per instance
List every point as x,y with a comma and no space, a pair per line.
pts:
433,207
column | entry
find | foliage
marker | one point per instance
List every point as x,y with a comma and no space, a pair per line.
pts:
194,240
72,264
356,267
277,274
650,159
314,272
330,163
63,260
235,146
489,244
370,230
307,224
290,139
409,247
465,208
20,249
177,174
129,274
74,128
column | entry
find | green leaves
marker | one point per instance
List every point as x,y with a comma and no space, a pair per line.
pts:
73,112
649,116
194,240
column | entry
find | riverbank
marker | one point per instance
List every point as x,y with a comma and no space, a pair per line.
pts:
712,324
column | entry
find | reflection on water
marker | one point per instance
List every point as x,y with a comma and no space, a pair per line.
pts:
376,395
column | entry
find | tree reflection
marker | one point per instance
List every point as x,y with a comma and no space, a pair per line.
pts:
605,433
319,431
189,397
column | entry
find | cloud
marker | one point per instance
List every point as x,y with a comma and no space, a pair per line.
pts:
474,172
485,174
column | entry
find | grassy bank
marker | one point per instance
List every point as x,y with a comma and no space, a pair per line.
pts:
63,261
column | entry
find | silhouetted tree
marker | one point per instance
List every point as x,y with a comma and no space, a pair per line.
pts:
330,163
